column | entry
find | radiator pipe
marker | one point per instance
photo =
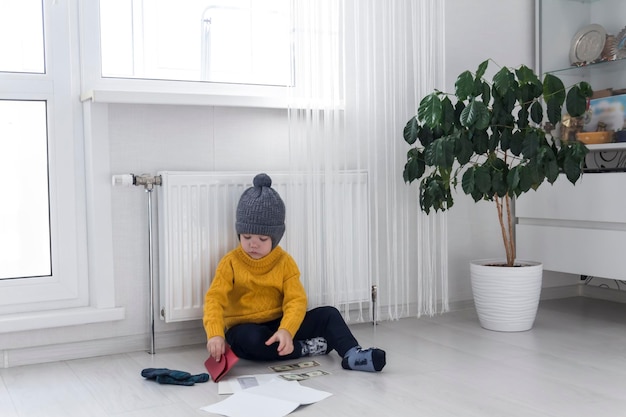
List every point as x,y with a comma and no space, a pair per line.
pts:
149,182
152,350
374,297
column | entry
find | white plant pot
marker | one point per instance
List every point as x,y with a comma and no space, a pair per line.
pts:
506,298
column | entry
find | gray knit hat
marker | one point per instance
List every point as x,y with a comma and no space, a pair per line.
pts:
261,211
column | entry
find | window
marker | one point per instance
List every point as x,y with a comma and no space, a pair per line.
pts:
21,36
25,223
222,41
42,215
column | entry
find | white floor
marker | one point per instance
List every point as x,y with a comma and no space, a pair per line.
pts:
573,363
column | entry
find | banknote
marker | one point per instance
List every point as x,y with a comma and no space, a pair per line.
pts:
294,366
304,375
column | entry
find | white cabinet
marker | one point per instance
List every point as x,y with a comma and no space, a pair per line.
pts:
578,229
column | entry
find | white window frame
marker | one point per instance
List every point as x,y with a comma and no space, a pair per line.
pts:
73,294
120,90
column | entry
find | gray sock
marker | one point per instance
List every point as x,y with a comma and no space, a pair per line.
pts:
369,360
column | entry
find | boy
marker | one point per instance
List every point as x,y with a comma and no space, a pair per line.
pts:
257,304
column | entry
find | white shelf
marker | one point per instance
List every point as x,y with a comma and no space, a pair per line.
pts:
616,65
605,147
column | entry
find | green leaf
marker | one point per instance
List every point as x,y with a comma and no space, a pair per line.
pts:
572,169
415,166
502,81
553,89
497,163
480,72
505,138
477,195
493,140
463,149
525,95
482,178
577,150
448,119
522,118
468,184
480,142
479,87
458,110
441,152
434,194
572,156
585,89
516,143
513,177
509,102
526,75
526,178
554,110
576,102
499,173
476,114
551,169
536,112
530,144
486,93
430,110
464,85
411,131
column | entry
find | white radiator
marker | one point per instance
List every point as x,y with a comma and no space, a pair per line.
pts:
196,226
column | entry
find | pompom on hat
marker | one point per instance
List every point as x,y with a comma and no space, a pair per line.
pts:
261,211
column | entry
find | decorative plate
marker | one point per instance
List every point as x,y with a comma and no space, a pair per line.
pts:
587,44
620,41
609,53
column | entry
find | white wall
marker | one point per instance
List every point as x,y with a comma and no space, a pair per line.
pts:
149,138
475,31
152,138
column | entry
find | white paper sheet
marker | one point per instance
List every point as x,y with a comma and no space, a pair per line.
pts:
274,399
245,404
233,384
290,391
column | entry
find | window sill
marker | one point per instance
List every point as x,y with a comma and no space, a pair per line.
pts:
59,318
107,96
177,98
142,91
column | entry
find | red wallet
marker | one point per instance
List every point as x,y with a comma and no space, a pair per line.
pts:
217,370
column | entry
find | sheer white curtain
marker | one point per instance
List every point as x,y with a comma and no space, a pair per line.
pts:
360,68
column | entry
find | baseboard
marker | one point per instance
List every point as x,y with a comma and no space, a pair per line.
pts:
194,336
383,311
602,293
100,347
566,291
590,291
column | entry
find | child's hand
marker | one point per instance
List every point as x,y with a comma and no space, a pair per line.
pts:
216,347
285,342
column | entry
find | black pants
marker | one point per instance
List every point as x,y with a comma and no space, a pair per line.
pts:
248,340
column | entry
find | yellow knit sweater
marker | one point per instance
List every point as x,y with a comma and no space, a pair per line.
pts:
247,290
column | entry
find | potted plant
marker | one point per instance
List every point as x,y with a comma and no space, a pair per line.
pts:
489,136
